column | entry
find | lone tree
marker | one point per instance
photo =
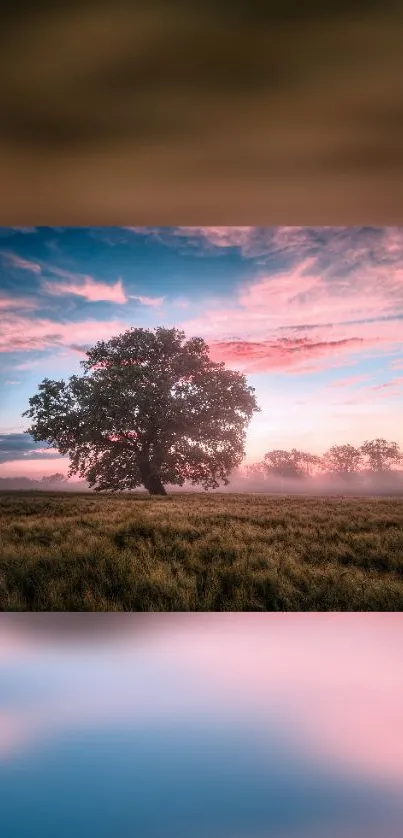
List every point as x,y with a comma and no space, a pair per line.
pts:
151,408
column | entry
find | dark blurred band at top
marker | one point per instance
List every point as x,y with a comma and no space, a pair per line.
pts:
172,112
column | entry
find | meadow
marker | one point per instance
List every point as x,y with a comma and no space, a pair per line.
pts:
199,552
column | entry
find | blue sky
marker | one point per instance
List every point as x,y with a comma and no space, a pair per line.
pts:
312,316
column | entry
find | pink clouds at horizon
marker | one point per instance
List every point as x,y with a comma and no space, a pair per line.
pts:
34,469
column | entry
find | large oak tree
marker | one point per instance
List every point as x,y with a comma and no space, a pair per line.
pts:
151,409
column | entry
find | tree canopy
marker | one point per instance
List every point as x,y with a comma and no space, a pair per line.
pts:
151,409
381,455
292,463
344,460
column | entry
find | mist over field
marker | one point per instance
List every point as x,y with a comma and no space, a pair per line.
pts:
240,482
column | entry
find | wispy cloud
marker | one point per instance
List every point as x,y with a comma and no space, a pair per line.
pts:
147,301
22,264
75,283
25,229
351,300
86,287
345,245
19,333
20,446
349,381
8,302
277,354
395,382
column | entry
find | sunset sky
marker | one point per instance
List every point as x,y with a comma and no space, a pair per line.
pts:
313,316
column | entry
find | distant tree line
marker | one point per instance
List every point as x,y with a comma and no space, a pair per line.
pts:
375,457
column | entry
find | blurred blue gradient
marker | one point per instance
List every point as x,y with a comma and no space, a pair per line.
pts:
114,727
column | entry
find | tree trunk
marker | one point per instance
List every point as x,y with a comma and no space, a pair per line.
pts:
155,486
151,480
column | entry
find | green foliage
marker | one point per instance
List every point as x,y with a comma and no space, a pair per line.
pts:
197,552
151,408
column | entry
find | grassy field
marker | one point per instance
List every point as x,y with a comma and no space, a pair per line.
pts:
199,552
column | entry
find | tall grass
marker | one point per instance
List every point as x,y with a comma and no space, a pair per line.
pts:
199,552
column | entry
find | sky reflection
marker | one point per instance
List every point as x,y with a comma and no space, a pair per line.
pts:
188,725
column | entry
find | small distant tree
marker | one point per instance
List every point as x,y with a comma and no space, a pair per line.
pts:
151,408
255,470
280,463
381,455
343,460
55,478
309,463
294,463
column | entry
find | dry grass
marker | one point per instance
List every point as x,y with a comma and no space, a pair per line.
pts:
197,552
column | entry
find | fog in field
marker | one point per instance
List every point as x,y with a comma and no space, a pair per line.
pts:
388,484
195,725
320,485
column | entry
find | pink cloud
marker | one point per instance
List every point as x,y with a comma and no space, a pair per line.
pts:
389,384
349,381
15,302
349,246
206,237
23,264
87,287
20,333
219,236
147,301
34,469
317,314
278,353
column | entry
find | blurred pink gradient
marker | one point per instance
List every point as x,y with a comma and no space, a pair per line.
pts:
330,683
